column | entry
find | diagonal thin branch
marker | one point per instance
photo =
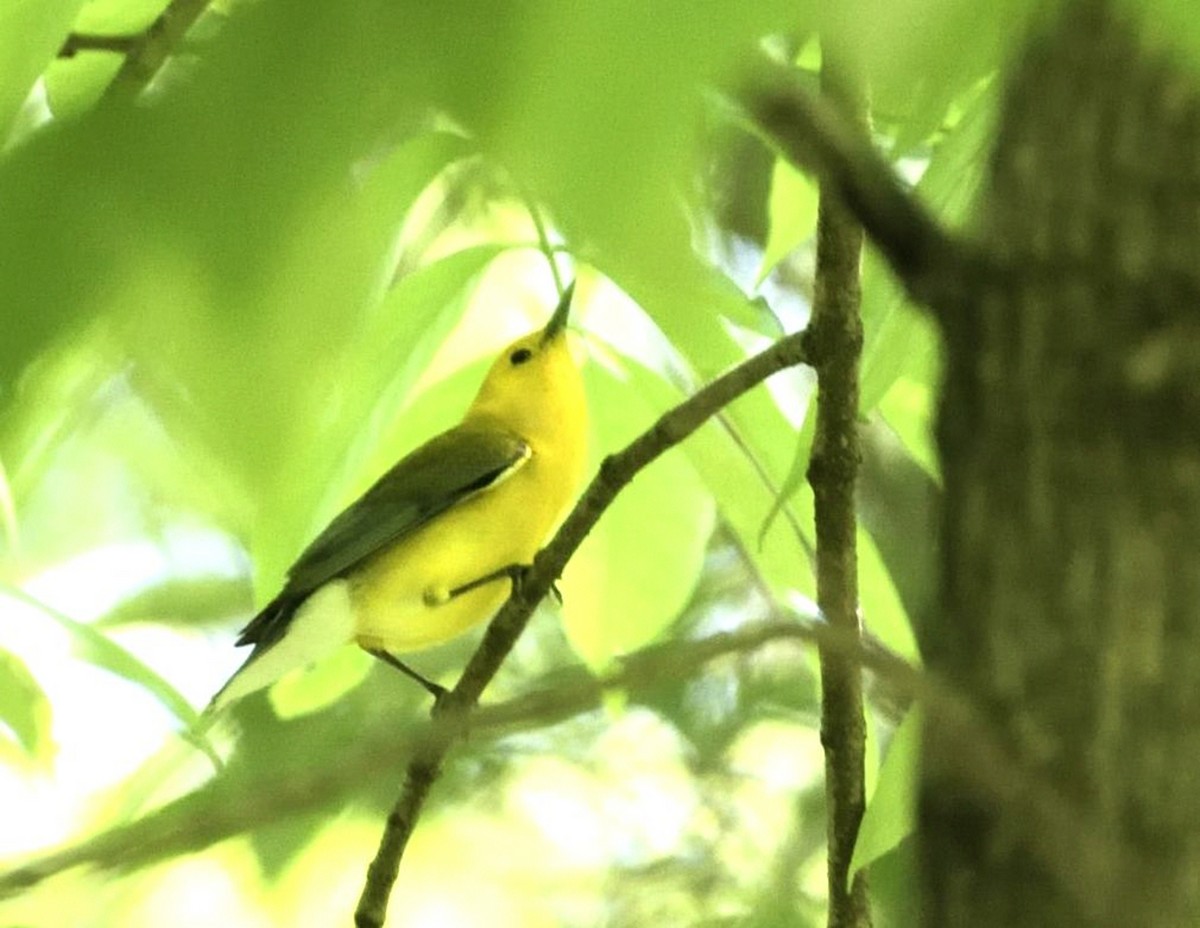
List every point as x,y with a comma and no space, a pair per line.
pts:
615,472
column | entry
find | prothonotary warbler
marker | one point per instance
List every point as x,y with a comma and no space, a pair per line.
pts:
432,548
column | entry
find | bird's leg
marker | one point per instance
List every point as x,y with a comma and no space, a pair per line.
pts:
435,690
514,573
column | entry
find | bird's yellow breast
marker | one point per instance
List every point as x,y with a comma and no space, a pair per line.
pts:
505,524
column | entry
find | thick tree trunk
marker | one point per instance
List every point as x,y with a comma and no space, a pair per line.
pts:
1070,440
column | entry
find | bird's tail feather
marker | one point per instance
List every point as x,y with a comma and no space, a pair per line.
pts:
291,631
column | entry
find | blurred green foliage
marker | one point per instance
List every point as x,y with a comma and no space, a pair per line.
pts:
230,303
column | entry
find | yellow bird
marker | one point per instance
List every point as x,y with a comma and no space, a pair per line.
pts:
432,548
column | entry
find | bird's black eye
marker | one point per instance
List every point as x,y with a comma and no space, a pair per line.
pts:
520,356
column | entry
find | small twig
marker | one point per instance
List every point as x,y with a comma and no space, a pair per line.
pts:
782,506
545,246
544,243
86,42
615,472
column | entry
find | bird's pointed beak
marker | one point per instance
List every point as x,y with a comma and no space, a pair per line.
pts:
558,322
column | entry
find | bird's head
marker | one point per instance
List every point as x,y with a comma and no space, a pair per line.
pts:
534,388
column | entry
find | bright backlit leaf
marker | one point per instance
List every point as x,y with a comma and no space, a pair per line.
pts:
892,810
637,569
793,214
31,31
24,711
93,646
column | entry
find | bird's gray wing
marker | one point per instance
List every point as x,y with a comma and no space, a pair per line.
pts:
441,473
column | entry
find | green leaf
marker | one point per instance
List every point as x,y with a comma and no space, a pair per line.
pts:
892,810
635,572
317,296
795,483
8,513
601,75
775,528
883,612
191,602
226,236
376,424
908,410
792,209
118,17
898,337
759,440
74,85
415,318
1173,24
742,486
25,710
98,649
921,56
694,312
405,332
31,32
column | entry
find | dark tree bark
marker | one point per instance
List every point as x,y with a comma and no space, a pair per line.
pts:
1070,440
